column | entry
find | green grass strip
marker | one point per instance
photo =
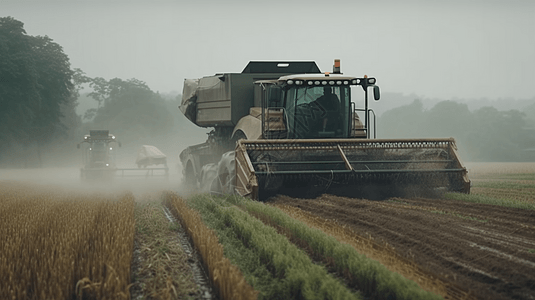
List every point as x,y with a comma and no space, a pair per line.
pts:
366,275
504,185
475,198
270,263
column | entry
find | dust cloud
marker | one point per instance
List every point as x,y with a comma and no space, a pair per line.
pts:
69,179
62,163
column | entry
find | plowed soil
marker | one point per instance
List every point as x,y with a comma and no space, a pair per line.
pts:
488,250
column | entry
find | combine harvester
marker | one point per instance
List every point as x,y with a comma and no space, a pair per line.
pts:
287,128
100,156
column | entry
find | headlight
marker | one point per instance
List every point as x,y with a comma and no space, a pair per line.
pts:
290,82
355,81
339,82
310,82
346,82
298,82
317,82
371,80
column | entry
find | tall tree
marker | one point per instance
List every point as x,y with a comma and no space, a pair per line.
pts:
403,122
447,119
35,86
129,108
19,87
55,88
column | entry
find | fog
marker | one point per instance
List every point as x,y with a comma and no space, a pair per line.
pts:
69,179
435,49
477,52
62,163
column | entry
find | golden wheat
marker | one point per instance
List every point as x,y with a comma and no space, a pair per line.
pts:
63,245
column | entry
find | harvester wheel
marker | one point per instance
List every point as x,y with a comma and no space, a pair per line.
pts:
226,173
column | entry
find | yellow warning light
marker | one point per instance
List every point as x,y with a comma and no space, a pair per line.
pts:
365,76
327,73
337,63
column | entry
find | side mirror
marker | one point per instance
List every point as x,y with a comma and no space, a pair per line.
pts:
376,93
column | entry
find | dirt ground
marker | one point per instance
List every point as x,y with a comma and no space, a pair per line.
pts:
489,250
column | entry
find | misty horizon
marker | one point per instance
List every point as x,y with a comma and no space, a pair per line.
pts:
447,50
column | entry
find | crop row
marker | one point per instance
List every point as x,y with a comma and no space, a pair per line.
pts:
59,245
381,252
226,278
284,258
160,268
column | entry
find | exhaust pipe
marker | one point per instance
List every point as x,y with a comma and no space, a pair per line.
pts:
336,67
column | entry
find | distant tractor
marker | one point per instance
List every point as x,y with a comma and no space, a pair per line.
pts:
99,155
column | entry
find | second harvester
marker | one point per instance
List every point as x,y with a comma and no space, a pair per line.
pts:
288,128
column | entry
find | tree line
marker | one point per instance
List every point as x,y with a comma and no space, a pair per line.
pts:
485,134
37,87
129,109
39,92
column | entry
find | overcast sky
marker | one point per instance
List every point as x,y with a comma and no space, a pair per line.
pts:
443,49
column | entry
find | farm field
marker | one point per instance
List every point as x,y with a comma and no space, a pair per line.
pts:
64,246
478,246
485,249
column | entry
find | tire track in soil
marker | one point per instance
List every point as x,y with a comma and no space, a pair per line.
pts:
482,248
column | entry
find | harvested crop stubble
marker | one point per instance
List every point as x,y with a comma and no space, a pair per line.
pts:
477,170
160,268
226,278
519,195
60,245
483,198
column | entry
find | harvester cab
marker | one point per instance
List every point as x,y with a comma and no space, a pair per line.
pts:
314,106
99,155
286,127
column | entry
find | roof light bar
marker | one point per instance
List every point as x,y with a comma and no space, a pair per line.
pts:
355,81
